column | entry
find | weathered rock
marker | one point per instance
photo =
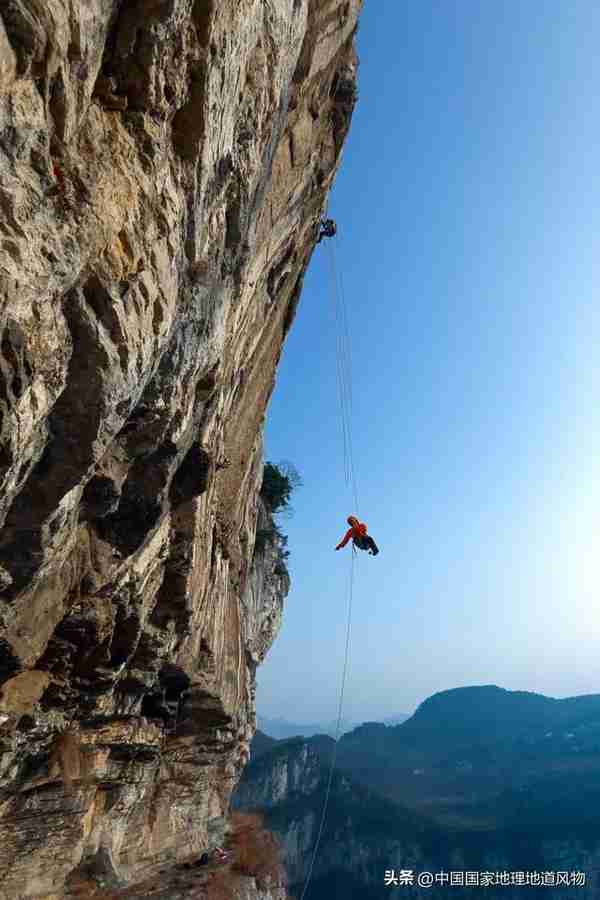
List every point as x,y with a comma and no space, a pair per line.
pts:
163,165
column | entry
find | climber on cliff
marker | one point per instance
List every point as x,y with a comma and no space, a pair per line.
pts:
328,228
360,538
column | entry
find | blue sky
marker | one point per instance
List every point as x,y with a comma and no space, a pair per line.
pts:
467,204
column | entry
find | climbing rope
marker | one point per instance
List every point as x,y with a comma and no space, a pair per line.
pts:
340,371
343,365
344,309
337,731
343,368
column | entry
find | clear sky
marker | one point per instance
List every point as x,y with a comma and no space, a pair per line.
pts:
468,206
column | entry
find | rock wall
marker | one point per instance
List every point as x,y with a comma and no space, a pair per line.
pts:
288,784
163,165
291,769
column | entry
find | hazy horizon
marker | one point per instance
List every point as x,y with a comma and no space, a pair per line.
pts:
278,716
282,718
466,204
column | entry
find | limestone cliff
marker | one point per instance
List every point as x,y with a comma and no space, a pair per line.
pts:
163,165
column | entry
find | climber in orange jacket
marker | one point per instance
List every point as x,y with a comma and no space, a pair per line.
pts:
360,538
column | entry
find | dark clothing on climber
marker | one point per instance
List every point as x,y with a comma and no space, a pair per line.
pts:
328,229
360,538
367,543
203,860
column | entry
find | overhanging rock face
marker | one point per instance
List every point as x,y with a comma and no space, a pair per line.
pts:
163,165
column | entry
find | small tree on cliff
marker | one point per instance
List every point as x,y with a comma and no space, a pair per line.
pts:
279,482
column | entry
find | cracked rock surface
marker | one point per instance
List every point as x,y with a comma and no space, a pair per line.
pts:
163,166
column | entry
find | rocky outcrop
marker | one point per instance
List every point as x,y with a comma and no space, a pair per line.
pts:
163,165
290,769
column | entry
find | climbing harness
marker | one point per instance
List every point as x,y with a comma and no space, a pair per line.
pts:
343,368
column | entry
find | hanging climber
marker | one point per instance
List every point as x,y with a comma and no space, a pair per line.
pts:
328,228
360,538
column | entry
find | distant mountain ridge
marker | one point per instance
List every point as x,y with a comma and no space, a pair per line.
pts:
494,710
467,753
480,756
485,714
281,729
485,711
